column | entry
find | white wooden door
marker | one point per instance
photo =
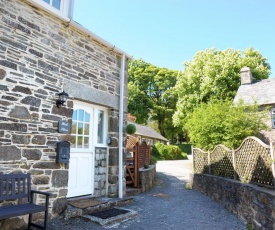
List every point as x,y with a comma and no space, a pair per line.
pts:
81,167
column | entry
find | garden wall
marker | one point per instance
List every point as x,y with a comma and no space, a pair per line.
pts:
147,178
255,205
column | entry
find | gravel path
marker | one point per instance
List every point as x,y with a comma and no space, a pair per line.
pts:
169,205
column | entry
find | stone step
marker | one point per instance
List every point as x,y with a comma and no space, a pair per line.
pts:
132,191
112,216
101,204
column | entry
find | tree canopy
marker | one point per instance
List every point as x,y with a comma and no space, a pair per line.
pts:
214,74
221,123
151,94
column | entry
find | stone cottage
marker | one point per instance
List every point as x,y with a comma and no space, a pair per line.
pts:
146,133
43,52
262,93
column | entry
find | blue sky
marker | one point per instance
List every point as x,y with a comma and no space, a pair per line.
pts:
166,33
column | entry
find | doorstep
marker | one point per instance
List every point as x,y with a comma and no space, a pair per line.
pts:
111,216
94,205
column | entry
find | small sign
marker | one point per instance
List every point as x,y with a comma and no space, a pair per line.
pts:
64,126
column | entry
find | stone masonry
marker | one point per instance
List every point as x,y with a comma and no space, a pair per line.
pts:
254,204
40,55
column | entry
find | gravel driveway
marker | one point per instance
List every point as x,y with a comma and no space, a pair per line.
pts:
169,205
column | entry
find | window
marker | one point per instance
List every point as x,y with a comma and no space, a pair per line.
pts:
150,142
100,127
89,127
80,129
273,117
60,8
55,3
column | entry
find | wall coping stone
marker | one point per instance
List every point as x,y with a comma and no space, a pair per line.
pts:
92,95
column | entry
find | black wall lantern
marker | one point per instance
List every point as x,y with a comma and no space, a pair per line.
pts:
62,99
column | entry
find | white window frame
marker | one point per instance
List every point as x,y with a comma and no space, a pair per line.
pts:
94,126
65,12
105,127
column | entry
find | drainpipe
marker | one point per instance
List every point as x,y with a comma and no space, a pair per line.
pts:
120,131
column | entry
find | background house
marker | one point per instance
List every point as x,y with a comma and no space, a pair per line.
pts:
262,93
42,53
148,134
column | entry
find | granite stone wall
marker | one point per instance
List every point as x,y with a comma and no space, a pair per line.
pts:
40,56
254,204
147,178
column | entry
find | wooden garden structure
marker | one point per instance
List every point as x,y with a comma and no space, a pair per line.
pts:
138,154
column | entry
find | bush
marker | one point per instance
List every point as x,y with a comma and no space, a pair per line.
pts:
186,148
167,152
153,160
221,123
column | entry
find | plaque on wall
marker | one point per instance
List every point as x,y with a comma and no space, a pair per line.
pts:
100,150
64,126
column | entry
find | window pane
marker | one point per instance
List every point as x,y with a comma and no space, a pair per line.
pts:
74,115
80,128
73,139
79,142
86,142
87,117
56,4
86,129
47,1
74,128
80,115
100,127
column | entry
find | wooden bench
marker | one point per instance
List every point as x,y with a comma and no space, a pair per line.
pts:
17,186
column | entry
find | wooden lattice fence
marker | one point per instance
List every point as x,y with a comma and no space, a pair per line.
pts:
221,160
139,155
253,162
144,154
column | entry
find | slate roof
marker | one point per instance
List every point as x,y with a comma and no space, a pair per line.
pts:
147,131
263,92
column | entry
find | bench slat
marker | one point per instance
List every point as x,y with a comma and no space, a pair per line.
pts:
14,186
20,209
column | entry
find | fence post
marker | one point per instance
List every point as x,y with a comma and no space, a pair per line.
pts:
273,162
209,163
234,163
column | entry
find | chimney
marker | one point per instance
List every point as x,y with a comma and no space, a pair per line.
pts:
246,76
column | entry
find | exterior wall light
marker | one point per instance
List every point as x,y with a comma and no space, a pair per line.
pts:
62,99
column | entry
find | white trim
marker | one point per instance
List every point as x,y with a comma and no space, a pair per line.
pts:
63,13
93,127
120,131
105,127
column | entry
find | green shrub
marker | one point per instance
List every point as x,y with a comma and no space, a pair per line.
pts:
153,160
186,148
219,122
167,152
146,165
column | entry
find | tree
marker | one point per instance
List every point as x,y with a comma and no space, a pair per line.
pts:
151,94
214,74
139,103
219,122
